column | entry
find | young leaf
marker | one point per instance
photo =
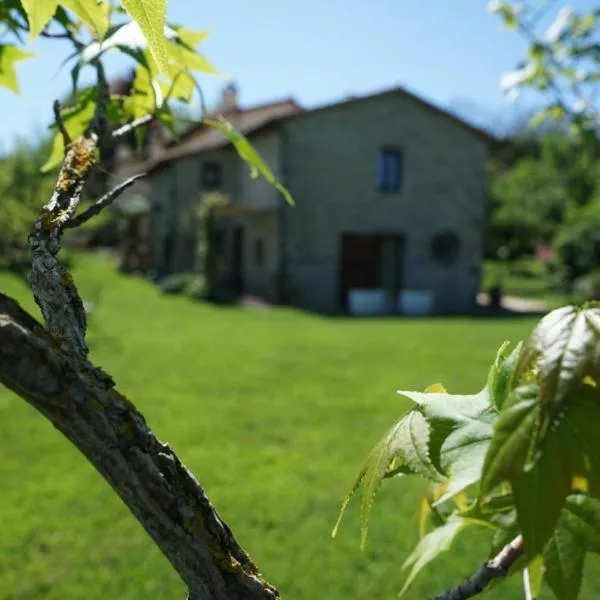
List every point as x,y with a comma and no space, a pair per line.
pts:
541,491
461,431
9,55
581,516
564,347
91,12
39,12
250,155
405,445
581,431
535,571
150,15
463,453
540,494
190,37
513,431
502,374
190,60
564,557
76,119
433,544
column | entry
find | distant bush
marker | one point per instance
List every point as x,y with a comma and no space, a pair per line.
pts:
587,287
186,284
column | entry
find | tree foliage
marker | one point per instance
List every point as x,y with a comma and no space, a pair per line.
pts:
23,190
522,456
513,458
165,57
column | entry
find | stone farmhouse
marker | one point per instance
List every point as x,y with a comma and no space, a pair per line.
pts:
390,203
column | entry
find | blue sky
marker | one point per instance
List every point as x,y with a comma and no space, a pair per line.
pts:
318,51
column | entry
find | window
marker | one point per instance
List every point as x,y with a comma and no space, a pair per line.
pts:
211,175
389,169
259,252
445,248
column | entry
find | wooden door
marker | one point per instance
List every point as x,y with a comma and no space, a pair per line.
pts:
370,262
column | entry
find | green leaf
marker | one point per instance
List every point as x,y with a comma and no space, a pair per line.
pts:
257,165
404,446
190,37
583,442
564,347
507,452
540,494
191,60
564,557
39,12
76,120
461,430
535,571
463,454
505,11
150,16
502,374
537,51
91,12
571,451
9,56
581,517
433,544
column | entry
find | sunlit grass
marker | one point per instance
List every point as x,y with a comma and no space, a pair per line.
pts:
273,411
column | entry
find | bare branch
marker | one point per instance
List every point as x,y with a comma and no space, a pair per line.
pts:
103,202
61,125
146,473
496,568
125,129
48,34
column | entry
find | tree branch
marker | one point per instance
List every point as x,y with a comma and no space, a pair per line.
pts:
146,473
103,202
125,129
496,568
50,369
61,125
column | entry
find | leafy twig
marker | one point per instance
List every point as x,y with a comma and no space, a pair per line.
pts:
128,127
61,125
495,568
103,202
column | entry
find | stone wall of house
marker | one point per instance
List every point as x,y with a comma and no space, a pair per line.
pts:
258,192
261,254
330,158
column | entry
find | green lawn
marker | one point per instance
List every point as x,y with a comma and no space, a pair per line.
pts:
273,411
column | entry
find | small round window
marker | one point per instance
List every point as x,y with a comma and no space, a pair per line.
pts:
445,248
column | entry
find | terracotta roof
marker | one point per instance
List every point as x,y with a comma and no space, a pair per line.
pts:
251,120
202,137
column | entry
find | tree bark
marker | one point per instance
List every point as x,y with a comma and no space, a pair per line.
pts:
146,473
49,367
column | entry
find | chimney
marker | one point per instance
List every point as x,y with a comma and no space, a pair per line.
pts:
229,99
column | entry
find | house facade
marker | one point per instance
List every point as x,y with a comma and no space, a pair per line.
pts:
390,203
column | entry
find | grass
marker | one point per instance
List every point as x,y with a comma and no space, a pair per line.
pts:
273,411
